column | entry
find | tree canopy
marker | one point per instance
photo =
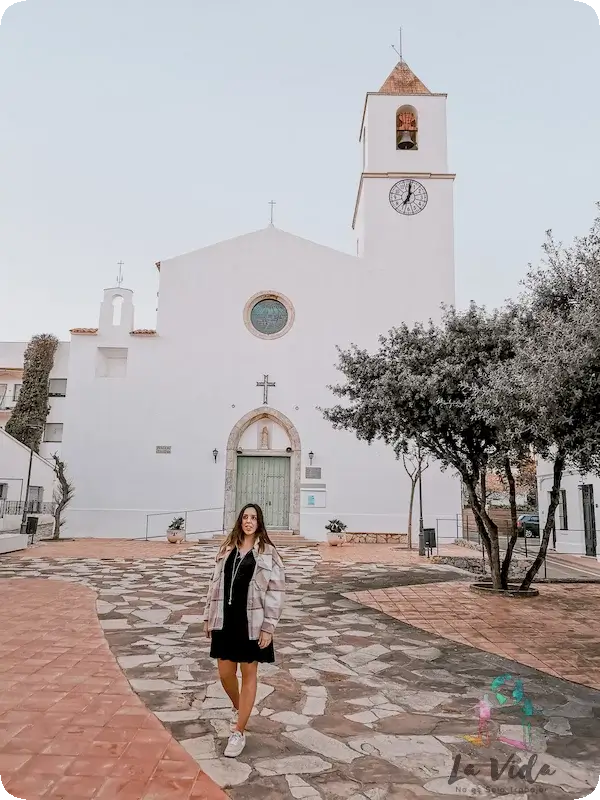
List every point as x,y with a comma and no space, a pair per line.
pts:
29,416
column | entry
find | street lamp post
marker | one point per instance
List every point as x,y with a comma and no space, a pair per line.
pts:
24,517
421,532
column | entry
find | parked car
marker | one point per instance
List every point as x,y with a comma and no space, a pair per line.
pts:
529,525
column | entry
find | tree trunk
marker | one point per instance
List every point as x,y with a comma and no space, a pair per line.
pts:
411,503
492,531
487,528
559,465
512,489
57,523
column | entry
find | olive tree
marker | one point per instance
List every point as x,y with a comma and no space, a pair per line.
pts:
424,386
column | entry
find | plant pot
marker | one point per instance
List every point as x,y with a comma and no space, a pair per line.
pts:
512,591
175,537
335,539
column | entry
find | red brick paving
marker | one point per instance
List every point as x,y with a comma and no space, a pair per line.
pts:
71,727
557,632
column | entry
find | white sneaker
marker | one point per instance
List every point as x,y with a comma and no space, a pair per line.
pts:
234,720
235,745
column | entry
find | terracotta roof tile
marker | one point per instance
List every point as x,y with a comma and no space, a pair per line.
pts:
84,331
143,332
402,80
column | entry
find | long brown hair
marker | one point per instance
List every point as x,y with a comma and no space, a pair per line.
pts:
237,536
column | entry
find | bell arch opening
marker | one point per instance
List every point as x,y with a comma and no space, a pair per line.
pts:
407,128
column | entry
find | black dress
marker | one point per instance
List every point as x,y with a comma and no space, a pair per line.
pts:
232,643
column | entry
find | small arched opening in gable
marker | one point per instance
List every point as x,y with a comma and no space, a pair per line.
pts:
407,128
117,310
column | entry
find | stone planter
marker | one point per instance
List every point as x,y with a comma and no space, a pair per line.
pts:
512,591
335,539
175,537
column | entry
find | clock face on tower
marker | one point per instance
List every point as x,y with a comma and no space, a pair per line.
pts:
408,197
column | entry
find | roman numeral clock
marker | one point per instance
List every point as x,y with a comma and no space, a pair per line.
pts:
408,197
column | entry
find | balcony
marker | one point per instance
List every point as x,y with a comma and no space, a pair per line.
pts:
14,508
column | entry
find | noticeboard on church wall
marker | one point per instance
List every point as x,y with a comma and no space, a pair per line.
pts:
313,473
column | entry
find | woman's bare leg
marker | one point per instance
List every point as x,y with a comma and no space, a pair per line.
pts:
229,681
248,694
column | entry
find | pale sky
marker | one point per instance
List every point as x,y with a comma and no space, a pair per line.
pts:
137,130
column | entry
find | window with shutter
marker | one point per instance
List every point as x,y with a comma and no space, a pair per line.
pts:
58,387
53,432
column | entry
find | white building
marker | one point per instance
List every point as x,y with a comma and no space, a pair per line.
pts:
14,471
218,405
14,457
575,524
11,380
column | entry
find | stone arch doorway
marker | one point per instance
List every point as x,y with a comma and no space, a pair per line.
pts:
262,435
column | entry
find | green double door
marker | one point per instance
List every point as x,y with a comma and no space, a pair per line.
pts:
265,480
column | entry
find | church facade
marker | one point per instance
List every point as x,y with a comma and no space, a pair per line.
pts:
218,405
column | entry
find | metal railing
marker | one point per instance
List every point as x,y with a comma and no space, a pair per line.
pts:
447,529
194,525
14,508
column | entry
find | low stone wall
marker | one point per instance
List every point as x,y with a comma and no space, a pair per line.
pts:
467,544
518,567
377,538
470,564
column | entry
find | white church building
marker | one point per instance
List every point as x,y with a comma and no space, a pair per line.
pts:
218,406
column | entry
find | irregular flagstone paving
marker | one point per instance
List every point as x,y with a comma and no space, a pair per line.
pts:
358,705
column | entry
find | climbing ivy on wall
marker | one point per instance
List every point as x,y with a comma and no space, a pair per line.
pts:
29,416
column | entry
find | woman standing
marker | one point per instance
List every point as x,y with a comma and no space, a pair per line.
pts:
243,606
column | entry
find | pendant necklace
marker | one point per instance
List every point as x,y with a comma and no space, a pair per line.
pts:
236,567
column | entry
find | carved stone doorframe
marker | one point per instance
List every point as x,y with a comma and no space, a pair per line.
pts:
231,464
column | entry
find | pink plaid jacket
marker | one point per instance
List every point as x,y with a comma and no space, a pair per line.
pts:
266,592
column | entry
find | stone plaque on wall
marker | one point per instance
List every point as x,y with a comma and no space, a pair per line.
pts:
313,473
164,449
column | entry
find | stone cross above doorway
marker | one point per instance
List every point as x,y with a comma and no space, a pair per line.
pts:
265,386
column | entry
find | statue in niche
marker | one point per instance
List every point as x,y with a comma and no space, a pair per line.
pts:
264,438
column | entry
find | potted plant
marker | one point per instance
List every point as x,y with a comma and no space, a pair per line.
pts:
335,533
176,530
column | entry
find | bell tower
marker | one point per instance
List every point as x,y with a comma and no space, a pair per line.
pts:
404,217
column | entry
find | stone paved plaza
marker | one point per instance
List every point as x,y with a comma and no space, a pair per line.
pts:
359,705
